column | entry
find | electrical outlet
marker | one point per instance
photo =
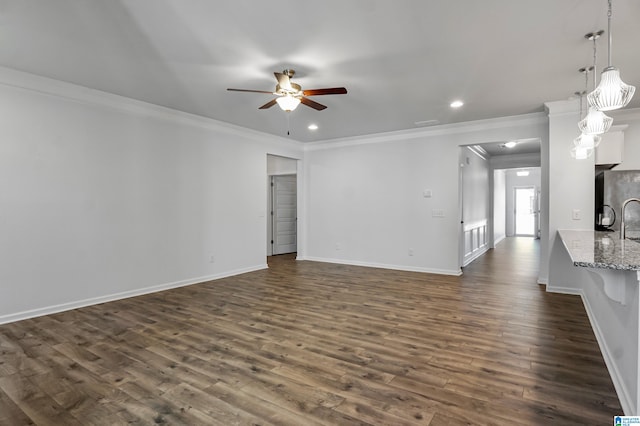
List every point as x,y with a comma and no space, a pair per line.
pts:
575,215
338,246
410,252
212,259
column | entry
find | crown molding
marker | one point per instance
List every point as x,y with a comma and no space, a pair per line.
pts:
80,94
564,107
444,129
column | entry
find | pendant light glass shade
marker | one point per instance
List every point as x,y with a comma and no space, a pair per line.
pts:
611,93
595,123
581,153
288,103
587,141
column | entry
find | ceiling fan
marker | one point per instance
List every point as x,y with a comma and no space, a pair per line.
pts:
290,95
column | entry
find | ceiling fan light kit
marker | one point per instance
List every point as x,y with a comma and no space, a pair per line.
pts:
290,95
288,103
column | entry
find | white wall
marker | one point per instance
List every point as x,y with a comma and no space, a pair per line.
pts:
476,199
277,165
475,189
571,182
103,197
631,137
499,206
366,201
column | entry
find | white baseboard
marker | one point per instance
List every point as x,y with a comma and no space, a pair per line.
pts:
383,266
626,400
564,290
476,254
18,316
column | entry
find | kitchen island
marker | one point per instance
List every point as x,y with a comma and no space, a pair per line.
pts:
609,290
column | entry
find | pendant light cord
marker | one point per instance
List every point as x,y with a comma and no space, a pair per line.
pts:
594,62
609,30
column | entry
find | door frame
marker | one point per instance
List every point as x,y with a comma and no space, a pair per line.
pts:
534,207
275,169
271,225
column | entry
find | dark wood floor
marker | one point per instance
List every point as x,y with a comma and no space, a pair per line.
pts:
307,343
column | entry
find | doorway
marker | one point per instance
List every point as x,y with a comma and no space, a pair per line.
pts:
284,214
283,189
524,211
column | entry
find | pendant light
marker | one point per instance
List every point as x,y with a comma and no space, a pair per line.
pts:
585,140
584,145
612,93
596,122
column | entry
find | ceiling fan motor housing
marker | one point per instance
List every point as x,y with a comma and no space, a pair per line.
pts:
295,90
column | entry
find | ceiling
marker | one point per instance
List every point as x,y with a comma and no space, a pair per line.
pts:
523,146
402,61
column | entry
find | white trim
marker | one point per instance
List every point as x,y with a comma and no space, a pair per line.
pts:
561,108
382,266
499,240
626,401
476,254
5,319
475,241
445,129
84,95
479,151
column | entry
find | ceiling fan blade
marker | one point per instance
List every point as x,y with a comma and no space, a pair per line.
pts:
329,91
269,104
249,90
313,104
283,80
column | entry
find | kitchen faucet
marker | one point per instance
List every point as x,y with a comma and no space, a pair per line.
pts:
622,227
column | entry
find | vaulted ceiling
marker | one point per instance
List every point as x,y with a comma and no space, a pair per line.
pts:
402,61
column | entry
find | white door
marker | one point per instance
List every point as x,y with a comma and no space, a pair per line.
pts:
284,214
525,208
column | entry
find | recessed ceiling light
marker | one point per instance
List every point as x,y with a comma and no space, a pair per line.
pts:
522,173
456,104
313,127
510,144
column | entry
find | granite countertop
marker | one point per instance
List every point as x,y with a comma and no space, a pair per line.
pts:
604,250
